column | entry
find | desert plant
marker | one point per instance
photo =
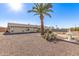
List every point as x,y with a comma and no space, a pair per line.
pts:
38,30
49,36
42,9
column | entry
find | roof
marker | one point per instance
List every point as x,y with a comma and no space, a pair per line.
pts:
22,25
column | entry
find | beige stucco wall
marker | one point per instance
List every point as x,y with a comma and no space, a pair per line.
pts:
20,28
15,30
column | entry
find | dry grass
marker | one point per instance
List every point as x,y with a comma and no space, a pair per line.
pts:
33,44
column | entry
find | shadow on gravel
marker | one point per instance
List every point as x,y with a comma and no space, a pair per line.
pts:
59,40
54,40
77,42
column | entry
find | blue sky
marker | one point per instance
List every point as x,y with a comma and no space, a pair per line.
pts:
65,15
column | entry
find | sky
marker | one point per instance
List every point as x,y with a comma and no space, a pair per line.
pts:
64,15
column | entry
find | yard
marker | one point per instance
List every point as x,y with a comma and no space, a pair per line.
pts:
32,44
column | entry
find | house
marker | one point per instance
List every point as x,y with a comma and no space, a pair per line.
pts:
22,28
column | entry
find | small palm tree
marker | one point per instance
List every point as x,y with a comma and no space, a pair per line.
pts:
41,9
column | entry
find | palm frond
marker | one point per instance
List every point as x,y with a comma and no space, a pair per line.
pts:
42,9
36,4
36,14
29,11
49,10
49,5
48,14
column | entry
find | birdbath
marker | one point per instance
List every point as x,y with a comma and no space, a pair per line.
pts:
69,35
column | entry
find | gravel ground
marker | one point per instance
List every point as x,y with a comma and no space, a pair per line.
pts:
32,44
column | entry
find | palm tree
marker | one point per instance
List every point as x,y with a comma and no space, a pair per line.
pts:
41,9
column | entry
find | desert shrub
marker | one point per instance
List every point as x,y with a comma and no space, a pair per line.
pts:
49,35
38,30
74,29
50,32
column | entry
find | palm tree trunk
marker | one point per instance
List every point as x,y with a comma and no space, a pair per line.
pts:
42,25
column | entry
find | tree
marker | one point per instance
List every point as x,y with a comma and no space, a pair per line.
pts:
42,9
